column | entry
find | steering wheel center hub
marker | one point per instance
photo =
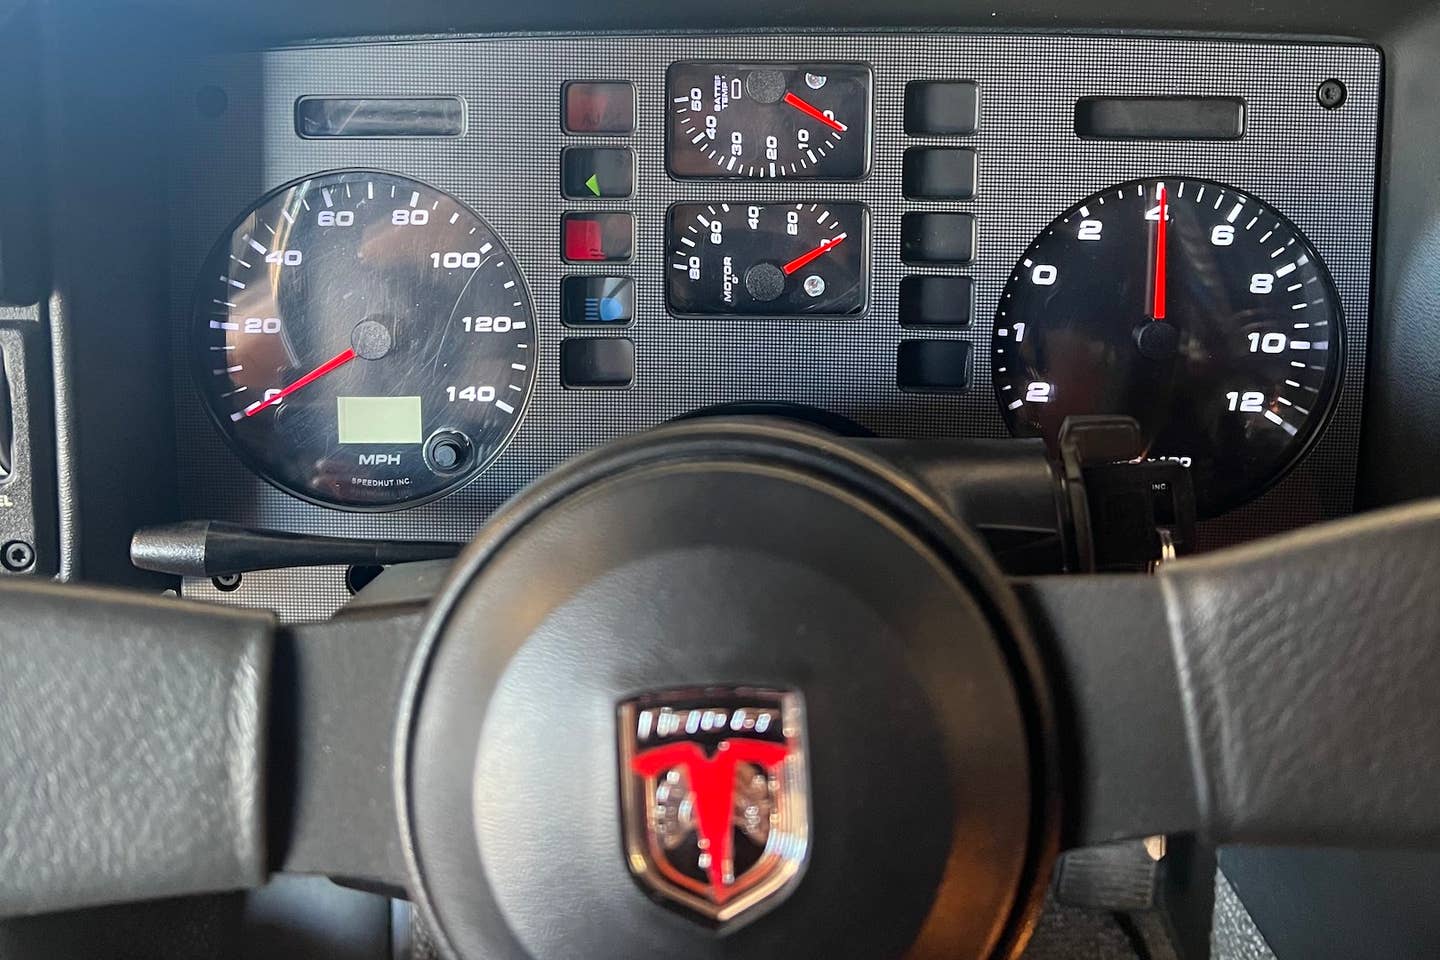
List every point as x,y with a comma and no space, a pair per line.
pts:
711,694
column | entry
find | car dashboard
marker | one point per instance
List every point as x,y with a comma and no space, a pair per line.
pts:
620,188
338,278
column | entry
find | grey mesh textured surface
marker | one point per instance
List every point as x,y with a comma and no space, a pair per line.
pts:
1316,166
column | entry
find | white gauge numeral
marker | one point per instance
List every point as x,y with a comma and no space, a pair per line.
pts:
1222,235
289,258
486,324
454,260
1089,230
697,99
737,143
1269,343
1262,283
1019,329
694,268
471,394
792,222
712,126
772,148
335,218
1044,275
1249,402
1038,392
262,325
405,217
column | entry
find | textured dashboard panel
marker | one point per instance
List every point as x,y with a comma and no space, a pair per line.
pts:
1317,166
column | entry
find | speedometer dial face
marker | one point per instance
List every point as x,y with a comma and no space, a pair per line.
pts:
769,120
363,340
1189,305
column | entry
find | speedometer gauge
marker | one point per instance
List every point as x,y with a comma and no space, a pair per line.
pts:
363,340
1189,305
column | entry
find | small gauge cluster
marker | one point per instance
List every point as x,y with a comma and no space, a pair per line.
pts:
366,341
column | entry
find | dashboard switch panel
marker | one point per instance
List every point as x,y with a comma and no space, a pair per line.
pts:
939,173
597,362
937,237
937,301
603,107
941,108
941,366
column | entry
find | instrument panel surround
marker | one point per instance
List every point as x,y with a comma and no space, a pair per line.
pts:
1316,166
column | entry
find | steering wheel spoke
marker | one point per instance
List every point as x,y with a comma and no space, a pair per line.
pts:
1283,692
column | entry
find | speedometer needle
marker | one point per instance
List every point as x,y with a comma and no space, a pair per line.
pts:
335,362
810,110
1157,309
804,258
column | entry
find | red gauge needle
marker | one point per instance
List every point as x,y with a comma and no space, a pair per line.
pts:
810,110
819,251
335,362
1157,309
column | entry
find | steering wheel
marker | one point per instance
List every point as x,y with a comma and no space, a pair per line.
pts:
730,688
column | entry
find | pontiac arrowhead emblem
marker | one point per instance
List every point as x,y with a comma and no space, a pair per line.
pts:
715,797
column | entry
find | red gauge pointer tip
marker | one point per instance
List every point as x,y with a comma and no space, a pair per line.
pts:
819,251
339,360
810,110
1158,307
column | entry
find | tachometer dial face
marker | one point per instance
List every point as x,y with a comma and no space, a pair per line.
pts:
767,259
767,120
363,340
1189,305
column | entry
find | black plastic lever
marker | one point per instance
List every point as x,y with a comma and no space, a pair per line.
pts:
210,548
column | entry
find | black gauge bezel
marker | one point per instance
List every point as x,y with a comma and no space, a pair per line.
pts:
671,242
720,176
190,343
1334,383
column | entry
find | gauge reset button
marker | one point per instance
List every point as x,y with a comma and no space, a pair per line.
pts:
448,451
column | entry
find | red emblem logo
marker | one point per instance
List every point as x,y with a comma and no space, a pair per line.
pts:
715,799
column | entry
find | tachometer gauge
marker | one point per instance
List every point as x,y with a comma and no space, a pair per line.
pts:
1189,305
363,340
767,259
766,120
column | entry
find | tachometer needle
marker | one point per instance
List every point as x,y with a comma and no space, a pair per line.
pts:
335,362
810,110
819,251
1157,309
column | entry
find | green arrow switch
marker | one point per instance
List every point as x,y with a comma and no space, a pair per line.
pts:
594,184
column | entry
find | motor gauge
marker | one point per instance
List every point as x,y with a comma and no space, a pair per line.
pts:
769,120
1189,305
363,340
768,259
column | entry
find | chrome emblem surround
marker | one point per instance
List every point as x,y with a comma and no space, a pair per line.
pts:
715,797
